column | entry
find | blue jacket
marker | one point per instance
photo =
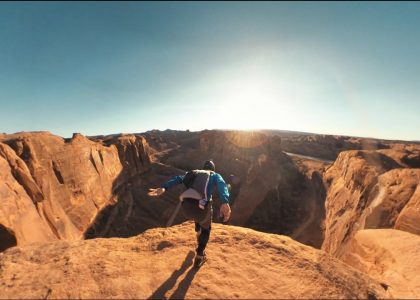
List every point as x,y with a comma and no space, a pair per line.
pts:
215,179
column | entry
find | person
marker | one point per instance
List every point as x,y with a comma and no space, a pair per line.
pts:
198,206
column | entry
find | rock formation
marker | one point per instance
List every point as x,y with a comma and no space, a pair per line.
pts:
53,188
97,186
390,256
371,189
56,192
158,264
74,171
20,220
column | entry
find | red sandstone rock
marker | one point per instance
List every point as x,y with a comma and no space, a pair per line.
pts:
242,263
390,256
368,189
64,183
69,189
18,211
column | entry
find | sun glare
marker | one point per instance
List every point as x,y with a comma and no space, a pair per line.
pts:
254,103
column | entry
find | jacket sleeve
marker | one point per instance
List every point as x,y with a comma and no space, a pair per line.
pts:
222,188
172,182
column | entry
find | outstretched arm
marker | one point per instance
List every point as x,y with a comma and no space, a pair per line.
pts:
159,191
172,182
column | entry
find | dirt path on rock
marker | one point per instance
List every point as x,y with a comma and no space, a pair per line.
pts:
310,157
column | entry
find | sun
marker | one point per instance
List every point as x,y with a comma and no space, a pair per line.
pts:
252,103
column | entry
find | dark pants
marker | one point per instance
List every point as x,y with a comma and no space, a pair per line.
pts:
202,219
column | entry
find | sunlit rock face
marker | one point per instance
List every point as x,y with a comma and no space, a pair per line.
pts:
53,188
158,265
19,217
371,189
390,256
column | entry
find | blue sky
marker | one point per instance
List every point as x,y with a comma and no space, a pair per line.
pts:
349,68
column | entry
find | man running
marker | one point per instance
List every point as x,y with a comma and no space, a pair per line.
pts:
197,202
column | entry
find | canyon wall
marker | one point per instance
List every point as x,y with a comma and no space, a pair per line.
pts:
371,189
52,188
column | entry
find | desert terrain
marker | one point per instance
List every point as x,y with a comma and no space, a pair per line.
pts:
313,216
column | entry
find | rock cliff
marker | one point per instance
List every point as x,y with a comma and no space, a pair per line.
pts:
158,264
371,189
53,188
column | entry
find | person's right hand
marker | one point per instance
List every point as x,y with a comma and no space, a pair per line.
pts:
156,192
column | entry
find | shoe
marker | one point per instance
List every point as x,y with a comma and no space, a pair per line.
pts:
200,260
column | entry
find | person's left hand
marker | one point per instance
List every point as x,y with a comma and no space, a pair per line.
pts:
225,212
156,192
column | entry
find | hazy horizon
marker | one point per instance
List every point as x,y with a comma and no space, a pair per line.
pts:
216,129
98,68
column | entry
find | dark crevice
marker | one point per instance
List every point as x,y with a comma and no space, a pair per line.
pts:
7,238
57,173
96,205
102,222
93,162
28,183
294,208
140,154
135,155
101,157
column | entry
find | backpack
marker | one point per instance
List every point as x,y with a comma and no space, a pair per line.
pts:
189,178
197,180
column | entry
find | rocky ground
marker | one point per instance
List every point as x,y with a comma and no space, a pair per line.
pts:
157,264
390,256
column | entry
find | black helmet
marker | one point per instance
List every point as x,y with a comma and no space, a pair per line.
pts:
209,165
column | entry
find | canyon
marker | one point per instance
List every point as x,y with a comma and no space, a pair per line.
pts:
341,211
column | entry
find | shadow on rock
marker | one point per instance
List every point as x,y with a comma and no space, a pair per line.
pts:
171,281
184,285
